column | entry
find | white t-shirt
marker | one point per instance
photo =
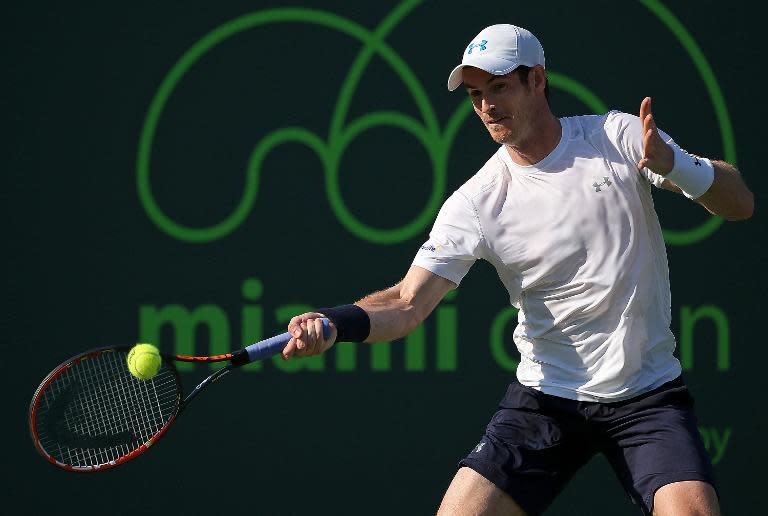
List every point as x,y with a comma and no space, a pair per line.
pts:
576,241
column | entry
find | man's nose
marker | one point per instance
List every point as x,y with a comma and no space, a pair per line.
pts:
486,106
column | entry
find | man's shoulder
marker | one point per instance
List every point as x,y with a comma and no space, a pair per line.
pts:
485,178
611,124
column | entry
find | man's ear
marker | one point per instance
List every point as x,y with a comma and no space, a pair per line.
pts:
538,79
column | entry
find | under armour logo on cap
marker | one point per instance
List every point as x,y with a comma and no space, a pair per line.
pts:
480,45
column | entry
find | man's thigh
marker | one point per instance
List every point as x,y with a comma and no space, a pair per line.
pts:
470,493
531,448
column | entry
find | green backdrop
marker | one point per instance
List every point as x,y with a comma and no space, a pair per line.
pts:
194,173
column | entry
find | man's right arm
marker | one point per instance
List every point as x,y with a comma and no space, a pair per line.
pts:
393,312
398,310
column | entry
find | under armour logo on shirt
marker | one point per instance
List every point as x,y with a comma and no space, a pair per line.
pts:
480,45
478,447
606,182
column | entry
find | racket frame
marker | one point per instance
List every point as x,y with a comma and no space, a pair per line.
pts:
67,364
254,352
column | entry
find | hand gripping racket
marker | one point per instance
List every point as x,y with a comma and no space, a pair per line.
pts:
91,414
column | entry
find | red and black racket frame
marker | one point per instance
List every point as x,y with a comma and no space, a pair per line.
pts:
236,359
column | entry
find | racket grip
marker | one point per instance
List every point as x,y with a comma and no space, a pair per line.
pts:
271,346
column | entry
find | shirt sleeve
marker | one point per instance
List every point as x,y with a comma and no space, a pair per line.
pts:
628,136
455,240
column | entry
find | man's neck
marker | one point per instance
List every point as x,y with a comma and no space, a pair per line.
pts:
542,142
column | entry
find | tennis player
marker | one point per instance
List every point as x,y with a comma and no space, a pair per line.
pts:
563,211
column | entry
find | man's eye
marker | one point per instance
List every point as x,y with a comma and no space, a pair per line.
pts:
498,86
474,93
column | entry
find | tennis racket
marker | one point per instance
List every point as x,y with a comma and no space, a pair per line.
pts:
91,414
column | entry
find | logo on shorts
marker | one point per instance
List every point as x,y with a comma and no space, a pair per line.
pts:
478,447
606,182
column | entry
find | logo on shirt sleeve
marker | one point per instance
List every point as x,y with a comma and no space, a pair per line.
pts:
434,246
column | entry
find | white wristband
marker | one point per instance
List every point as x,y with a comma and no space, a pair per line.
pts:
694,175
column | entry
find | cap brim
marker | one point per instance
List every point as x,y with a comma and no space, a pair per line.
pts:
492,66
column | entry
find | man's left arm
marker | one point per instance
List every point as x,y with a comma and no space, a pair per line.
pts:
724,192
728,197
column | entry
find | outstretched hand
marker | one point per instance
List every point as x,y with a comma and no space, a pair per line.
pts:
657,155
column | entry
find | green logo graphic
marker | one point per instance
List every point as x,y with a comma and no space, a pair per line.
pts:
437,141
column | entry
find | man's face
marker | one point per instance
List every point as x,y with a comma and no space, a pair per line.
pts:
502,102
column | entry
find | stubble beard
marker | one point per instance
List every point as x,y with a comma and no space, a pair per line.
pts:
503,136
500,134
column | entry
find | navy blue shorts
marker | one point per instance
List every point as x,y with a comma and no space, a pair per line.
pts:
536,442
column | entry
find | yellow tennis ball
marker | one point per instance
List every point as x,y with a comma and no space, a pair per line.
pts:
144,361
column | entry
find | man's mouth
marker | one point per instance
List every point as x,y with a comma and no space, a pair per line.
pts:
495,120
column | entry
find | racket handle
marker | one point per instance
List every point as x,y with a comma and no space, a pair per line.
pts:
271,346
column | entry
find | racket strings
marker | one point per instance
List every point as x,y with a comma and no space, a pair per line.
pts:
95,411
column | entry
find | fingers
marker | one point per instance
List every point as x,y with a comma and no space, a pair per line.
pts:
307,336
649,124
649,132
657,155
648,141
297,346
289,349
645,108
315,330
294,328
295,323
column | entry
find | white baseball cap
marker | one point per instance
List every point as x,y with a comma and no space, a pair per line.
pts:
498,50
